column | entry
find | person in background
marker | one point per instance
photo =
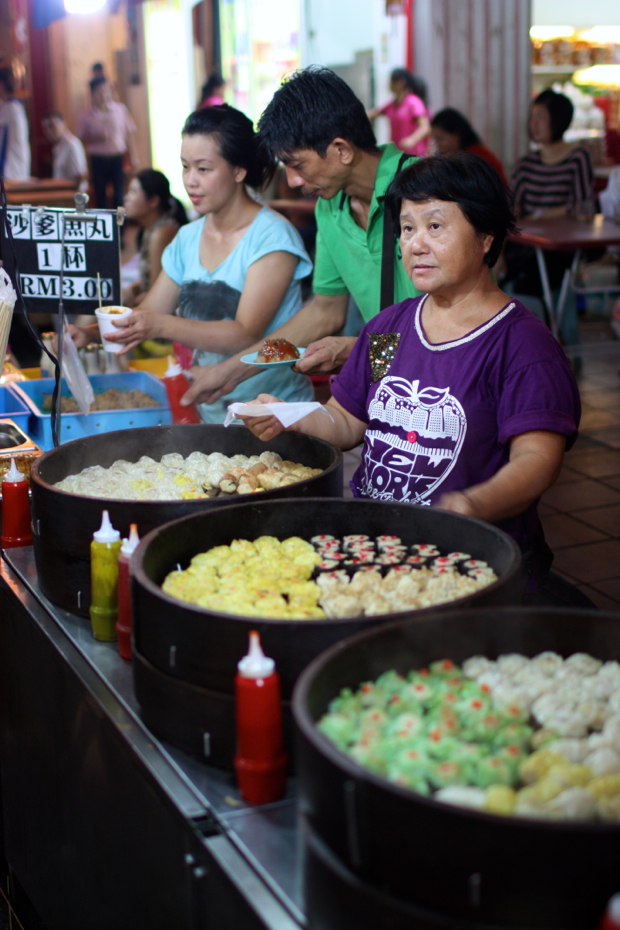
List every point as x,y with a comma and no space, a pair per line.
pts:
550,182
407,113
107,130
452,132
235,273
319,130
557,177
212,94
148,203
14,141
68,155
96,71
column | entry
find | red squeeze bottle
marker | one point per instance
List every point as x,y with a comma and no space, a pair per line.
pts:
261,762
176,385
16,527
611,917
123,624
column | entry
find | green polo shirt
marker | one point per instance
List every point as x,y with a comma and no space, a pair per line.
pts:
348,258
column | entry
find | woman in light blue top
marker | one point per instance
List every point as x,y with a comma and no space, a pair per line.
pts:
235,273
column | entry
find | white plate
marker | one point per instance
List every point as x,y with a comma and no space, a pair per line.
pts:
251,360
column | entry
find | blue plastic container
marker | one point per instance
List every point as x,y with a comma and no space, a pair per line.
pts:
14,408
76,425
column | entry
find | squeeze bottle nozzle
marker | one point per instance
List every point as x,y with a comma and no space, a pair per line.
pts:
131,544
256,664
106,532
14,474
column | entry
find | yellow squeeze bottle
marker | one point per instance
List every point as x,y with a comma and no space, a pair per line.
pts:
104,551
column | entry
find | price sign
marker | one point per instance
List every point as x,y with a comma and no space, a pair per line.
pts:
90,246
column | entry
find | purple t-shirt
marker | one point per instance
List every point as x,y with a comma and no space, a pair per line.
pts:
442,416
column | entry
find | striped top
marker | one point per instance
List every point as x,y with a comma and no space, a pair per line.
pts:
536,186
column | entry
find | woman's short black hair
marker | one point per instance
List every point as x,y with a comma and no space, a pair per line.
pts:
560,111
236,139
462,178
450,120
310,109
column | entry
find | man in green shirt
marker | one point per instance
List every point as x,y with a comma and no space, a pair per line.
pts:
319,129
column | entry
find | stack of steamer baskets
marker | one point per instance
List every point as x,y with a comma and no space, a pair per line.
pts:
185,656
63,523
379,856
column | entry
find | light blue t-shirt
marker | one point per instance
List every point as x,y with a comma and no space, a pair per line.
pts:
215,295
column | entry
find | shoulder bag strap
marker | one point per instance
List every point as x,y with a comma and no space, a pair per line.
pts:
387,250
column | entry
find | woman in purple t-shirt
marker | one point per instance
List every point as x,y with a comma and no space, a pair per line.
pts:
462,398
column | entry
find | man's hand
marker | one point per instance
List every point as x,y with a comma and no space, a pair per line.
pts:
326,355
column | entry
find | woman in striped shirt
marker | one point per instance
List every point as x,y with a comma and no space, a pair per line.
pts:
553,180
547,183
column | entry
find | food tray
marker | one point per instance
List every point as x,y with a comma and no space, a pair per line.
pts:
77,425
399,849
185,656
12,407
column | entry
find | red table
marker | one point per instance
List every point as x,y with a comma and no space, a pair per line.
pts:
564,234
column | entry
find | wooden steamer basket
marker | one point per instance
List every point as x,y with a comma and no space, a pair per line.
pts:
63,523
185,656
381,856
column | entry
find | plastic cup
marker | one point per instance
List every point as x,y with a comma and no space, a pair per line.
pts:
106,317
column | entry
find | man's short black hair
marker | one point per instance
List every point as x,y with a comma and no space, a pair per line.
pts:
52,114
462,178
311,109
560,111
95,83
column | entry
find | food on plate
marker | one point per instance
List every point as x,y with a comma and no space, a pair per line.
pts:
112,399
198,476
352,577
471,736
277,350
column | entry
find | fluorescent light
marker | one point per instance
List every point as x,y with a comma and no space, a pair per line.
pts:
83,6
551,32
599,76
601,34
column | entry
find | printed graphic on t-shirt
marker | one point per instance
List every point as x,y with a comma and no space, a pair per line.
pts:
424,436
208,300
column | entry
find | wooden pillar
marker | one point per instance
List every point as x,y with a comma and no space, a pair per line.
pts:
475,56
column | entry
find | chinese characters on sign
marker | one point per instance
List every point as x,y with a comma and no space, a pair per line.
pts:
89,247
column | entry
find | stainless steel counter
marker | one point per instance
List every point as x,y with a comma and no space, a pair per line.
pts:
255,849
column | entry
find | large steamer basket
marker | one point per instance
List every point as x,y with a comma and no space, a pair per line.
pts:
388,849
185,656
63,523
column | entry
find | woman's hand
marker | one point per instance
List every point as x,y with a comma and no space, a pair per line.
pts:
264,428
141,325
81,336
463,502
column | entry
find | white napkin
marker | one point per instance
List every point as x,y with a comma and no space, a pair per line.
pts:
287,414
